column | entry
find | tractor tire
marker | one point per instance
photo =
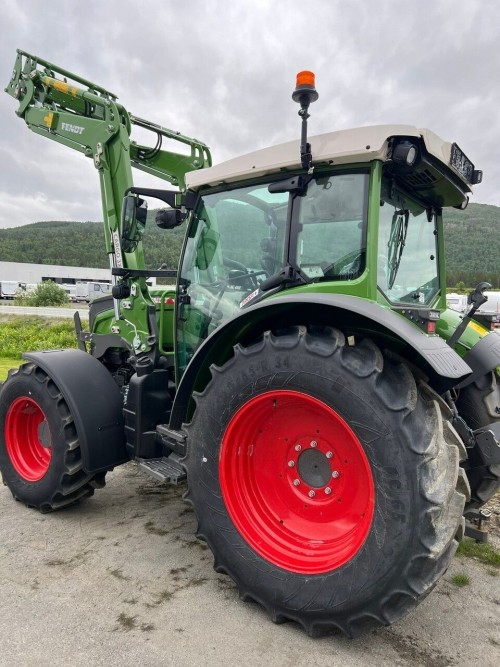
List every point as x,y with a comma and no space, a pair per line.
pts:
325,481
40,457
479,405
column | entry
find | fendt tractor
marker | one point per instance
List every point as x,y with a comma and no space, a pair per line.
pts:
336,423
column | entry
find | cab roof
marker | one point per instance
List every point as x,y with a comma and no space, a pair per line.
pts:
357,145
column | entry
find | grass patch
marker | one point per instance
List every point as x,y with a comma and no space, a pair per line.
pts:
163,596
147,627
197,581
118,574
6,363
483,552
151,528
460,579
30,334
126,622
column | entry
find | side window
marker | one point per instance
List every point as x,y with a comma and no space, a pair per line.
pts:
407,251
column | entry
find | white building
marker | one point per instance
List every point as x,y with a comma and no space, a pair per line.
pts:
37,273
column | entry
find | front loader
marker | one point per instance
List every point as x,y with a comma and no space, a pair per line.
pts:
333,418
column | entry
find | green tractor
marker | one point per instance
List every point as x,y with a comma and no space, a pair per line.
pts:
334,420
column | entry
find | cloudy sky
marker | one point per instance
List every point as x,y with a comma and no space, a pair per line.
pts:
223,71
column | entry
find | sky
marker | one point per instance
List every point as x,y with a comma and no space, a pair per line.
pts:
223,71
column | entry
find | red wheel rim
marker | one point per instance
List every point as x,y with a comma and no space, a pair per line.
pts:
27,437
296,482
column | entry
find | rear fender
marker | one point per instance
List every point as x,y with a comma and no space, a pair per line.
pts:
478,346
439,362
483,357
95,403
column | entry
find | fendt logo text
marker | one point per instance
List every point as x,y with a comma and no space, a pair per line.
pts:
76,129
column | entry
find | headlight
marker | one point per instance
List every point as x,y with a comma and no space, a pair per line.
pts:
405,153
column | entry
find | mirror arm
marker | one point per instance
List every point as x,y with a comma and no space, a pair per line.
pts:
168,196
174,199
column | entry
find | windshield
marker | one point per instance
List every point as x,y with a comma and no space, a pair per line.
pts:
331,239
407,250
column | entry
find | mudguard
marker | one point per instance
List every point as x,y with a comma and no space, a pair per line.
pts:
444,367
484,357
95,403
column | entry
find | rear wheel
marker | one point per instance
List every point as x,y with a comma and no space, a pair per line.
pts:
40,457
325,481
479,405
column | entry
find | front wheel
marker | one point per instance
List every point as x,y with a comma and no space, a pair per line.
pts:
40,457
326,483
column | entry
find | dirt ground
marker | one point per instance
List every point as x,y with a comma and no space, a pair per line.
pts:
494,522
121,580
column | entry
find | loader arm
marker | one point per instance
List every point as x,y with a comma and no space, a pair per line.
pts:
77,113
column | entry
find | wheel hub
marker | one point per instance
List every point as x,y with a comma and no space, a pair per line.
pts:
314,468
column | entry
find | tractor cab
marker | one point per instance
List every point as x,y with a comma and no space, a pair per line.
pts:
365,219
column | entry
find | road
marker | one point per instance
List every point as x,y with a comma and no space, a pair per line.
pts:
45,311
120,580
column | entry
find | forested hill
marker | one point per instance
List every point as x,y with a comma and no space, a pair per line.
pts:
472,244
82,244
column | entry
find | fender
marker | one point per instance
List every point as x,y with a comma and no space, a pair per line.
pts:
95,403
483,357
444,367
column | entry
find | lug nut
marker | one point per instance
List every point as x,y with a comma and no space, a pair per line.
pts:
335,474
329,455
328,490
298,448
291,464
314,443
312,493
296,482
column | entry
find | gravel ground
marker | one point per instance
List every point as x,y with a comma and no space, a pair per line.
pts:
121,580
494,522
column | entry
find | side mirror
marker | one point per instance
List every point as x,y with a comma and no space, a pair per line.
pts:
168,218
134,215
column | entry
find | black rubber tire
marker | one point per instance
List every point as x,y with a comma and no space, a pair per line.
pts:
413,453
65,482
479,405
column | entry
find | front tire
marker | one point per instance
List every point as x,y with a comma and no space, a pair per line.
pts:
40,457
379,528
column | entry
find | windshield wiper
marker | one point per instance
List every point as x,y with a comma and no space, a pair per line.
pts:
289,275
397,241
